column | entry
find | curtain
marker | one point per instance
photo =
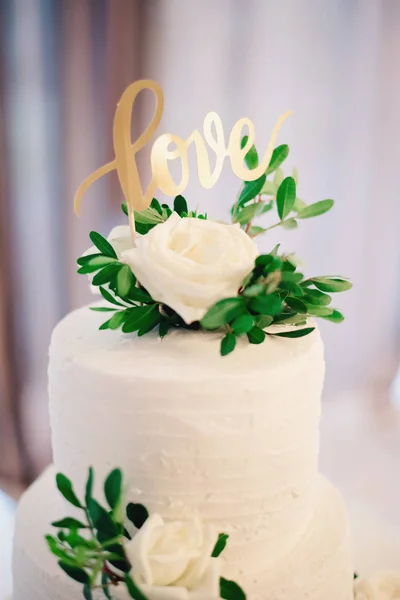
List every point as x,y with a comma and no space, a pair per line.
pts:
65,64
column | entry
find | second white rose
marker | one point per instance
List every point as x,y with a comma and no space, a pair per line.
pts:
189,264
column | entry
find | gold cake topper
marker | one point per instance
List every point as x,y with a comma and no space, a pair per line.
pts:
125,152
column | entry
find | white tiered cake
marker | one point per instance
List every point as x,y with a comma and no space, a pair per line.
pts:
232,438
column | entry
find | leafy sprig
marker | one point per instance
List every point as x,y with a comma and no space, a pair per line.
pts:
259,197
91,550
275,293
158,213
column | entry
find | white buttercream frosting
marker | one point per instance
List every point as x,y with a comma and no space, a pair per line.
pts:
234,438
318,567
232,441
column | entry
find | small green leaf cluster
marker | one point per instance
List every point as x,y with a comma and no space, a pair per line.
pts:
91,549
158,213
259,197
275,293
132,306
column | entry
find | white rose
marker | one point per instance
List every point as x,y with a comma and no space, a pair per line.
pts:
380,586
173,560
189,264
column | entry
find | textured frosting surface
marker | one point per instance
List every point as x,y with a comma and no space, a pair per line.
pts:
234,438
317,568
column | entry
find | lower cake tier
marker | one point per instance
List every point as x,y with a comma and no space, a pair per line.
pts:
319,567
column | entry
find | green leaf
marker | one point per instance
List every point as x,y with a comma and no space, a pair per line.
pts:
102,521
156,206
138,295
228,344
140,317
137,514
316,209
317,297
270,304
180,205
102,309
164,327
102,244
105,580
109,297
55,549
256,335
64,486
132,588
335,317
264,321
292,277
113,488
269,260
296,333
251,158
279,155
229,590
74,572
150,216
289,224
266,207
87,592
116,320
152,319
254,231
278,177
223,312
319,311
331,284
296,305
89,485
242,324
106,274
142,228
125,281
119,559
285,197
269,188
124,208
295,175
95,265
248,213
166,211
87,258
220,545
69,523
254,290
299,204
251,190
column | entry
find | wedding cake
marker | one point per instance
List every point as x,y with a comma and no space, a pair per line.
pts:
213,421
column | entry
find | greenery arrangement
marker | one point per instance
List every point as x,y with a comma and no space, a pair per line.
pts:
91,550
274,293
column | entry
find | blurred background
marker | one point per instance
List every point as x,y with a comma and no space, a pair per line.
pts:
63,66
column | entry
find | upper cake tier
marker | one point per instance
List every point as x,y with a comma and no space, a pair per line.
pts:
235,438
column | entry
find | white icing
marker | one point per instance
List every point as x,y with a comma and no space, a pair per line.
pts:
317,568
233,438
